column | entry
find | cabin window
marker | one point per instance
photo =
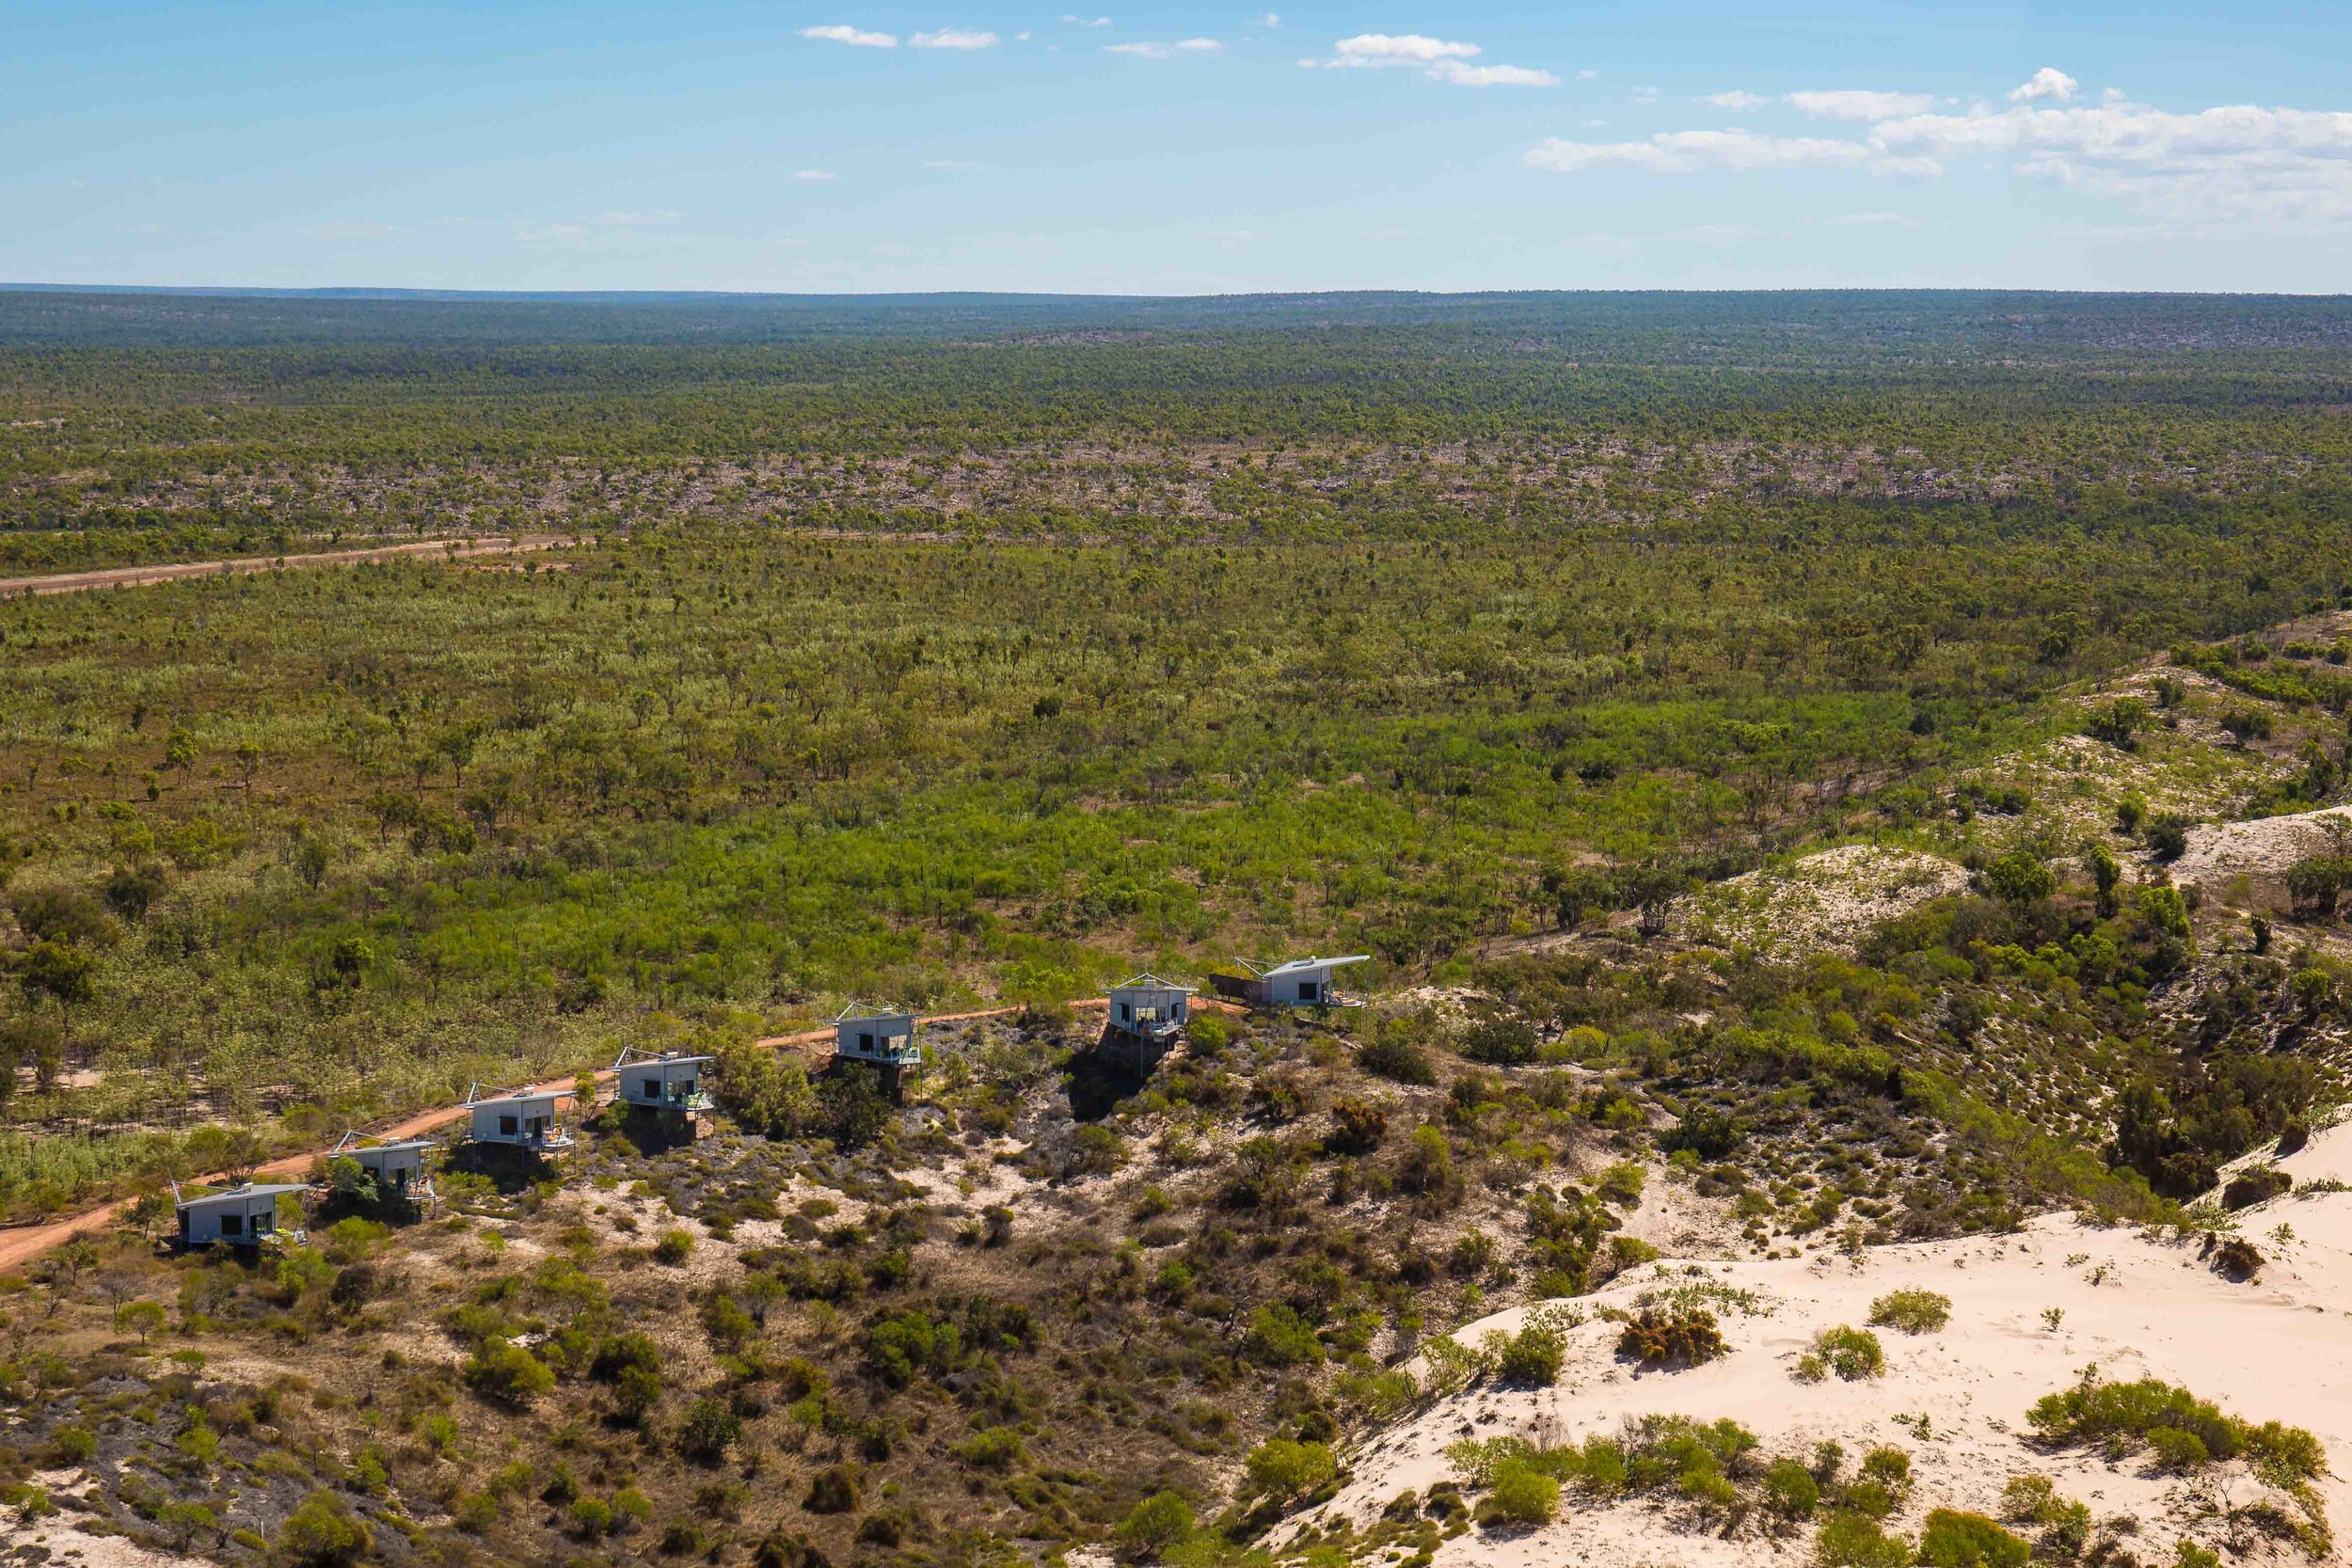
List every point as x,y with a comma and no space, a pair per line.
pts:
508,1127
233,1225
1126,1013
264,1224
1306,991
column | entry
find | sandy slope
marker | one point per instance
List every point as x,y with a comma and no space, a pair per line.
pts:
2137,1306
2264,846
1829,899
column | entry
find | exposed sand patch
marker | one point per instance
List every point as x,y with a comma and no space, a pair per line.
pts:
2263,846
2134,1304
1829,899
60,1538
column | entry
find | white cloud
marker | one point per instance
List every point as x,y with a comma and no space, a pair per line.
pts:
1381,48
1439,60
816,174
1271,19
636,220
2235,159
1699,151
2049,82
837,33
954,38
2229,164
950,166
1855,103
1165,51
1588,74
1735,100
1087,21
1872,220
1463,75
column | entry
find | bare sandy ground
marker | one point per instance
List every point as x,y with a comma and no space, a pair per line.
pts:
2263,846
141,577
62,1540
1829,899
2136,1304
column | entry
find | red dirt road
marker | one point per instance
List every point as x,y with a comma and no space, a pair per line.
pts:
24,1244
141,577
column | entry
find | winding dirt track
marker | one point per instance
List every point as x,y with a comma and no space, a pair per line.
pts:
24,1244
141,577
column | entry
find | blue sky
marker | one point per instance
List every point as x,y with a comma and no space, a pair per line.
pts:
853,148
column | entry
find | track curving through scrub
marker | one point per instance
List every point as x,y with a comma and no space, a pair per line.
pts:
21,1244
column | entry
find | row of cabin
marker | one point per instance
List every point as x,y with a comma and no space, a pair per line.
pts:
1147,1015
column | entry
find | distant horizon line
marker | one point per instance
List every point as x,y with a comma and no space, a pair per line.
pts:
390,293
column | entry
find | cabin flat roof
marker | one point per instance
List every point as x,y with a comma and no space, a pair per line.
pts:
520,1097
667,1061
1295,965
1148,981
269,1190
350,1144
876,1013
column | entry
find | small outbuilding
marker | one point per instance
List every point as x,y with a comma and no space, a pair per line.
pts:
1298,983
243,1215
397,1167
523,1119
669,1082
883,1036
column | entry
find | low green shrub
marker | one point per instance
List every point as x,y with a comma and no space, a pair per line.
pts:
1852,1353
1914,1311
1672,1337
1952,1539
1523,1496
1853,1541
1159,1521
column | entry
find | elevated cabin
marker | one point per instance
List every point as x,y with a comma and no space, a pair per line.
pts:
524,1119
1298,983
397,1167
878,1035
669,1082
244,1216
1146,1019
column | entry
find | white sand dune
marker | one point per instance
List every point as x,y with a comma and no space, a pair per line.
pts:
2136,1305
